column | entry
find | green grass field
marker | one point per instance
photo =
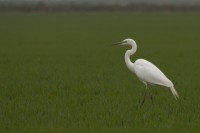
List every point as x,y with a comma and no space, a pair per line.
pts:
59,73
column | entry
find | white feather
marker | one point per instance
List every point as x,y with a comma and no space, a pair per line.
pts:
147,72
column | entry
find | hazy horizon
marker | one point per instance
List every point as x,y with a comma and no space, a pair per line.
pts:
110,1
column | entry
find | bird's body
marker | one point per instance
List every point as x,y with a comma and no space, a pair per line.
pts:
147,72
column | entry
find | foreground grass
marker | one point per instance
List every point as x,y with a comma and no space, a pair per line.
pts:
58,73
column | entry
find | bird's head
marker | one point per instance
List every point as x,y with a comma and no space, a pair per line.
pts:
126,42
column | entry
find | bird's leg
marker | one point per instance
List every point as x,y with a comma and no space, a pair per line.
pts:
145,93
150,93
151,96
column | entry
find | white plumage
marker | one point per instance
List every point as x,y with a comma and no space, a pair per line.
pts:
147,72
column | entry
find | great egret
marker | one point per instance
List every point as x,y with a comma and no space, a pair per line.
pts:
147,72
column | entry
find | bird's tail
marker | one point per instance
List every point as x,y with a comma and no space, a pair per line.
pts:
174,92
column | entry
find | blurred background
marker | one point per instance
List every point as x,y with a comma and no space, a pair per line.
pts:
97,5
59,72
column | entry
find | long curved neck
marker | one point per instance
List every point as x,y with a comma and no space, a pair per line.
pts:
128,55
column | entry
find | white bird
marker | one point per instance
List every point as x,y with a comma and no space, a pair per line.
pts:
147,72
